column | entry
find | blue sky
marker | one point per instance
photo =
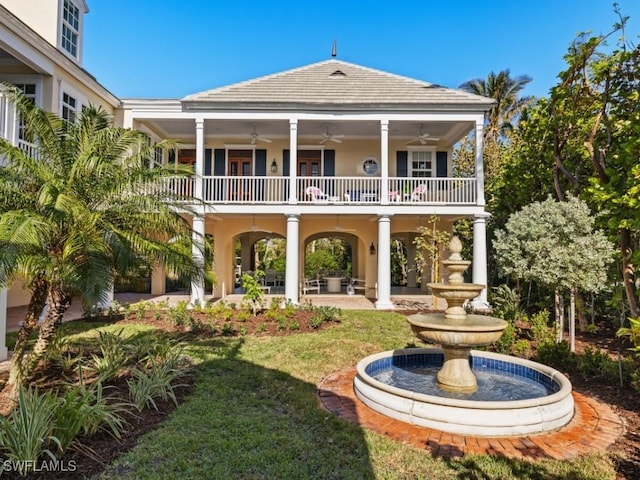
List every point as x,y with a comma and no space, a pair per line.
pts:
172,48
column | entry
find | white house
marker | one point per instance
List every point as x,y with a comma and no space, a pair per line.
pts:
328,149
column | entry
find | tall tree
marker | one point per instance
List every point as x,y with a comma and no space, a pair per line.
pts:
81,206
556,245
505,90
588,130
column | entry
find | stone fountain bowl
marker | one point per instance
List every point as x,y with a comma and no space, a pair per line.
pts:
460,291
474,330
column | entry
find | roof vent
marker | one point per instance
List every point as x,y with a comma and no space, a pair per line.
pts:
338,73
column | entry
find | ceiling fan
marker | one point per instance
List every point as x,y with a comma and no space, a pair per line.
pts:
340,228
328,136
254,227
422,137
255,137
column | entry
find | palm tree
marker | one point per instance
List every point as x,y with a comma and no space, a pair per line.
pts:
79,208
504,89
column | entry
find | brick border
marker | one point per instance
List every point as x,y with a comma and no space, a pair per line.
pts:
594,428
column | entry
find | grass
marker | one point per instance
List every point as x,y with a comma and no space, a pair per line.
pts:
254,414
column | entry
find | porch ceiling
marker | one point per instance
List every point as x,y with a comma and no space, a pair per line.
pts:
309,131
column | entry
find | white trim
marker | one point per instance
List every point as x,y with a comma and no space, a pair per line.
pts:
26,79
362,170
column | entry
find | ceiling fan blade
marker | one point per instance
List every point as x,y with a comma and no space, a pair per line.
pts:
337,140
264,139
323,141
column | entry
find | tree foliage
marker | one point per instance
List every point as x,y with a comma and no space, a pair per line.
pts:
555,244
76,209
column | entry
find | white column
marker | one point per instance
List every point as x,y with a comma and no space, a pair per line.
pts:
199,171
293,164
3,324
384,264
479,269
479,163
384,161
293,259
197,251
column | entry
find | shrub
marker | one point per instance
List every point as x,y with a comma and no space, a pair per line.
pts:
557,355
254,295
113,357
86,410
157,382
540,331
27,433
506,341
522,348
506,301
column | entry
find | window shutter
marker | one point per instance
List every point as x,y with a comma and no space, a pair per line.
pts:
441,164
402,164
207,162
261,163
329,163
172,157
285,162
260,171
218,161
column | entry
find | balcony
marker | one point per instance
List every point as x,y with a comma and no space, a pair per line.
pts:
336,190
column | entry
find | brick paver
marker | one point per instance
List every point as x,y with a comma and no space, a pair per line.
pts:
594,428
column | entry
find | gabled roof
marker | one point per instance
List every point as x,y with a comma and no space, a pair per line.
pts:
334,83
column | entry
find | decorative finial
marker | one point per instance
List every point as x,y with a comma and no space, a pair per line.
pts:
455,247
334,50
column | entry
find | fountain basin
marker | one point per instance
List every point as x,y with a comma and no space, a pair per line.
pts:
473,331
550,407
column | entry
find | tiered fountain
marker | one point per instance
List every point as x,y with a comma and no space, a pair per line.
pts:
457,389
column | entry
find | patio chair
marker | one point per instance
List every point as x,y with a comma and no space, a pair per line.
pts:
310,286
316,194
270,277
419,193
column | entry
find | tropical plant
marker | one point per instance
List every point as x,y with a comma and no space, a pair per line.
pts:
505,90
78,208
27,433
253,295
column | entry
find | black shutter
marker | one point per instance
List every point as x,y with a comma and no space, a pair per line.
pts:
285,172
441,164
260,171
207,162
218,161
285,162
402,164
329,171
218,171
329,163
261,163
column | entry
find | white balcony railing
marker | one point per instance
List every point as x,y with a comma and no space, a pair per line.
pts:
336,190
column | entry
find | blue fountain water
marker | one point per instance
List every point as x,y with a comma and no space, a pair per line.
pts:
498,380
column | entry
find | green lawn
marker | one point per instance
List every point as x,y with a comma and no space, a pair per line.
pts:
254,414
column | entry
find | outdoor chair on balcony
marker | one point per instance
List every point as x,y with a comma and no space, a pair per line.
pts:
419,193
316,194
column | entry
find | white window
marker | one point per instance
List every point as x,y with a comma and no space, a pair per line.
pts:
29,91
69,107
70,31
422,163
